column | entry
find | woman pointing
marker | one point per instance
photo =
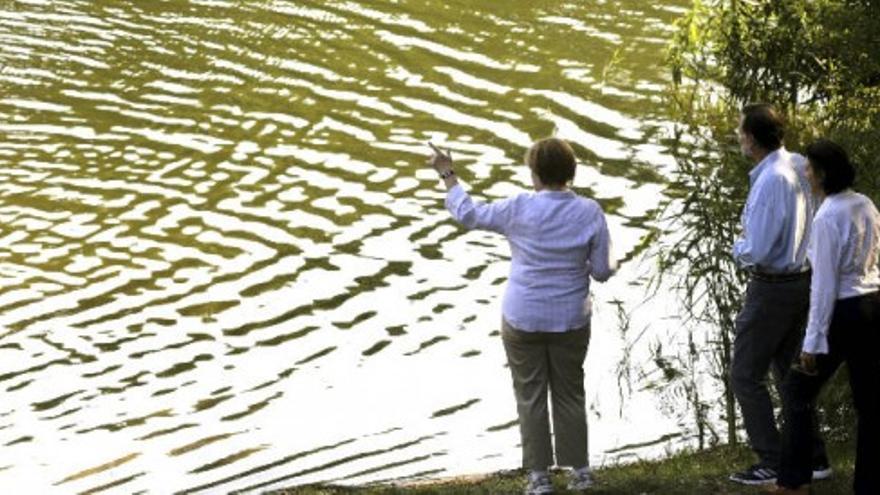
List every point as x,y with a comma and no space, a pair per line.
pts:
558,241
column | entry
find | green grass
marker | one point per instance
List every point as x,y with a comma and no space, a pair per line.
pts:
694,473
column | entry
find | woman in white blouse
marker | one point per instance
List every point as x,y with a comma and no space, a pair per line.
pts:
558,240
844,321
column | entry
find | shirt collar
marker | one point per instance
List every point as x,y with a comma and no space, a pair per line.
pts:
838,196
763,164
549,193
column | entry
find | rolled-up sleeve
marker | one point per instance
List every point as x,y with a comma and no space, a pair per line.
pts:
496,216
601,266
824,254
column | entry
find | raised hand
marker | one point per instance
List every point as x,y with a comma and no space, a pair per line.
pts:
441,161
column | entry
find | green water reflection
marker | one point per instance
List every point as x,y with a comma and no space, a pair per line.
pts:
202,196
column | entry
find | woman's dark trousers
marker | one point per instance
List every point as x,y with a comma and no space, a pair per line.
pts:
853,338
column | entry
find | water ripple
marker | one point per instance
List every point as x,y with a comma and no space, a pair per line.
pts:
223,264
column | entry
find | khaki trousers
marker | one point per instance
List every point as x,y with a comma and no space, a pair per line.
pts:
542,361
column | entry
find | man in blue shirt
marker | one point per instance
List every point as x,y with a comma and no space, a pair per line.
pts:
773,249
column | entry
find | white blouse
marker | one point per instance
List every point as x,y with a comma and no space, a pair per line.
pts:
844,248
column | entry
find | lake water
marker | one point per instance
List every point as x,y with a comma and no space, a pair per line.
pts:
224,266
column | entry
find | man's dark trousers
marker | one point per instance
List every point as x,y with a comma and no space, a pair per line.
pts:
769,333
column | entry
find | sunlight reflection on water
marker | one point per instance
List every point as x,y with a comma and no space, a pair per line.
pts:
223,265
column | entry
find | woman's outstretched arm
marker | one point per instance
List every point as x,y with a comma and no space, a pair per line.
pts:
495,216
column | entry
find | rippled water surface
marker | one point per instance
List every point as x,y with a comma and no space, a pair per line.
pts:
222,263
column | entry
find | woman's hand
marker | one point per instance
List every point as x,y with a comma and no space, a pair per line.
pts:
808,363
439,160
442,163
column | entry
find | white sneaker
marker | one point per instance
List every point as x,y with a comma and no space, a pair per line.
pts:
539,483
580,479
822,472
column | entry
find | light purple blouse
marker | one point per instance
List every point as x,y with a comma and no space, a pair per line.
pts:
557,241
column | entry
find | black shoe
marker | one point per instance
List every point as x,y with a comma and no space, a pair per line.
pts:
755,475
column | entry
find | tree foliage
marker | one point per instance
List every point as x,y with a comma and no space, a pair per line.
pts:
819,60
816,60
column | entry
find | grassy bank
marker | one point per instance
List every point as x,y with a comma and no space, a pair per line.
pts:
683,474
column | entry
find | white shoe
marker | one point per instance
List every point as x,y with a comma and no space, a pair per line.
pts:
822,472
539,483
580,479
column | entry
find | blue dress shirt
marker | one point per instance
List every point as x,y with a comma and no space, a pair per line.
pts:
776,218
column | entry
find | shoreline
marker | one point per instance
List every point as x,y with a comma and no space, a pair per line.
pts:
684,473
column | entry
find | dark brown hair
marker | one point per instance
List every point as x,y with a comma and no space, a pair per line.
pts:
552,160
764,124
831,160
